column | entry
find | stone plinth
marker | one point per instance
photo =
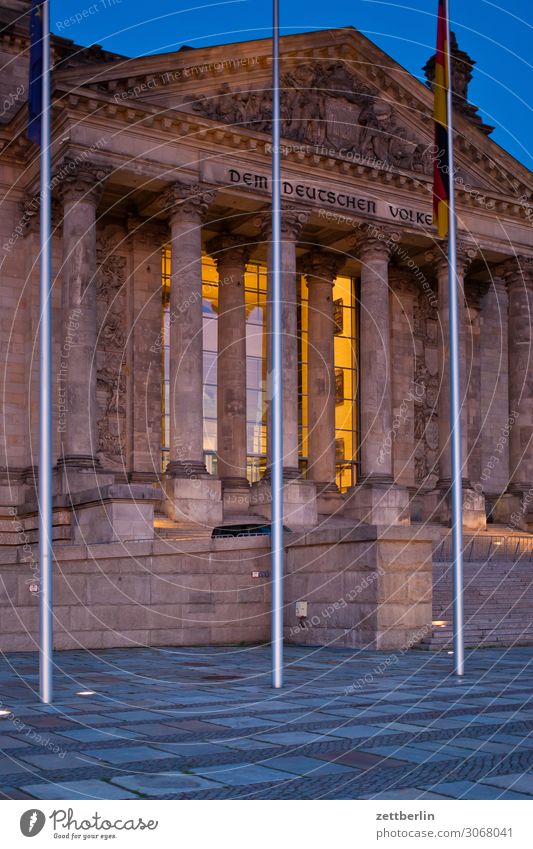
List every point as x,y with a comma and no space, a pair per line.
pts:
114,513
437,507
366,587
377,504
194,499
299,502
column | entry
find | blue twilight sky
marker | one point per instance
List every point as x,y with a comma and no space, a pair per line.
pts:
498,35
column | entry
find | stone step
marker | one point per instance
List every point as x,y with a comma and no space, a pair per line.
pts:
498,602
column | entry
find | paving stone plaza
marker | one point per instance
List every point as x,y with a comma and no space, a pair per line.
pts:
204,723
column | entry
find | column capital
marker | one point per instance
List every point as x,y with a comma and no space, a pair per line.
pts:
372,241
466,252
517,271
402,280
229,249
81,180
321,266
186,201
293,220
29,213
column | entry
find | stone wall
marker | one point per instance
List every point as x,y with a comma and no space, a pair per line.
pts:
369,587
201,592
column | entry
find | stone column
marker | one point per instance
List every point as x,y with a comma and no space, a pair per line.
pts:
407,394
518,274
231,256
193,495
299,498
375,499
321,268
473,502
145,348
82,186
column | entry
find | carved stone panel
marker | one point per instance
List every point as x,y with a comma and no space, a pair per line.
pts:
426,378
111,364
327,107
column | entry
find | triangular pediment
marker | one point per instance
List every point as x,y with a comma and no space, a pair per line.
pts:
341,97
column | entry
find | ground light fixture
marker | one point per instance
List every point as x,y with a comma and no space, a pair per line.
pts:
86,693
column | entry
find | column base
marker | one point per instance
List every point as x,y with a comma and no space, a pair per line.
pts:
438,506
79,473
235,496
378,501
514,508
197,500
115,513
191,469
329,500
299,502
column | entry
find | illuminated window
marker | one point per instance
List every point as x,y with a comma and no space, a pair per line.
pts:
345,315
345,348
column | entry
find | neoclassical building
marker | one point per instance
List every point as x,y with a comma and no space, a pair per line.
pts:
160,250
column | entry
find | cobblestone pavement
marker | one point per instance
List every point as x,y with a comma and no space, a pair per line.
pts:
204,723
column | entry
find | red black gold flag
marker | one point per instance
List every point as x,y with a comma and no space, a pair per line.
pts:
441,157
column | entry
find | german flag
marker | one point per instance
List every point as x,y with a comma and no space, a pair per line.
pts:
441,157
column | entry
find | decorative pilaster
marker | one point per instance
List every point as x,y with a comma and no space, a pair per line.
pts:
518,275
82,185
407,393
231,256
496,420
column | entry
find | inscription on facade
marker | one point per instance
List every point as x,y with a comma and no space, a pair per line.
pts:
321,196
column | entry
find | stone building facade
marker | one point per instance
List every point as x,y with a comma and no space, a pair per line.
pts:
160,254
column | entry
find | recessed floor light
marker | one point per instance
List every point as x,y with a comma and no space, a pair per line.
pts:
5,713
86,693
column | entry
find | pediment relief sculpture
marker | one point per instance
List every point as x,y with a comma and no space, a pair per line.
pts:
326,107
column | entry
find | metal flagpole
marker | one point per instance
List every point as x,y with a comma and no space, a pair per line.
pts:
276,418
45,384
455,385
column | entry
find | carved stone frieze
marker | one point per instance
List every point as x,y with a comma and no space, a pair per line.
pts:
110,359
326,106
426,387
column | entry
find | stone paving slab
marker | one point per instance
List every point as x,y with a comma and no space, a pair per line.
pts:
78,790
159,785
205,723
243,774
